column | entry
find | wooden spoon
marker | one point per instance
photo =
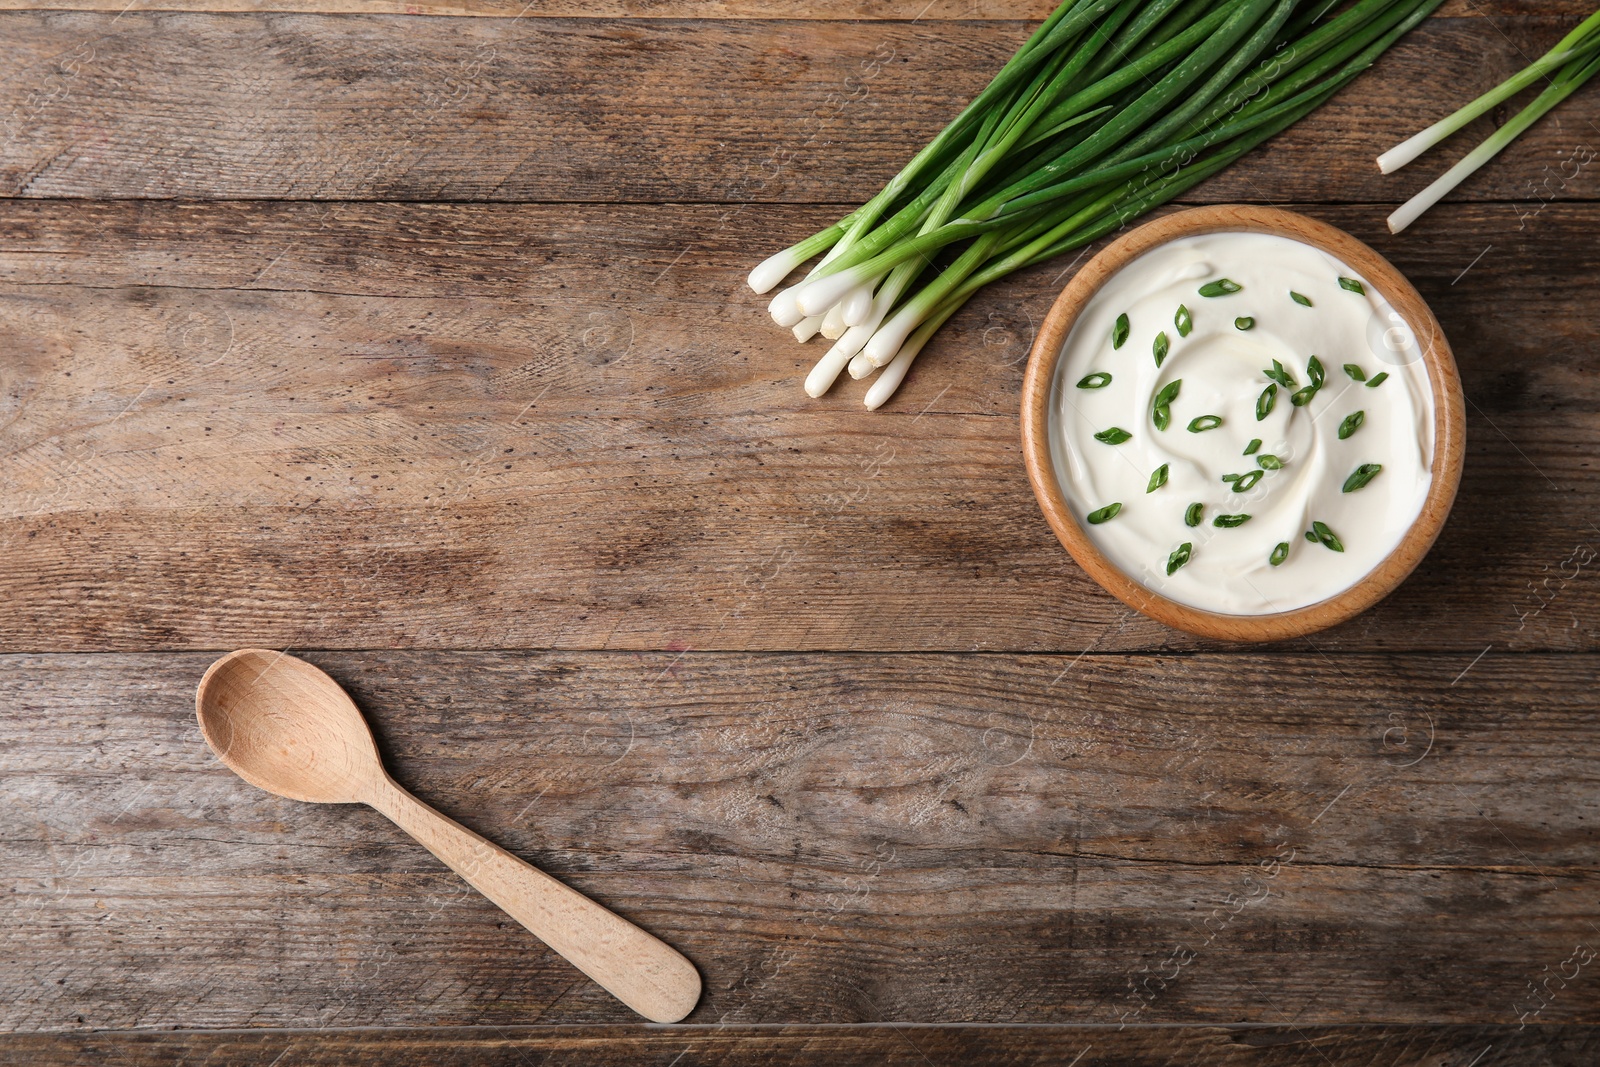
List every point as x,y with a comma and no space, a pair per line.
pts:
284,726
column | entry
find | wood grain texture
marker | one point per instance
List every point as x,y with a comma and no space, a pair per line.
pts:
739,111
905,10
878,1046
519,426
554,419
829,838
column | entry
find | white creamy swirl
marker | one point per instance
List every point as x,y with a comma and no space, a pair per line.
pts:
1221,369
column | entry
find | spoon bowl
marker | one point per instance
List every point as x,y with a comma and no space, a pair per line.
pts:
284,726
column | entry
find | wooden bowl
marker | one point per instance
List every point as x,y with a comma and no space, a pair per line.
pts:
1449,422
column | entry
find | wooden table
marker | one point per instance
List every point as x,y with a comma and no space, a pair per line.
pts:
415,340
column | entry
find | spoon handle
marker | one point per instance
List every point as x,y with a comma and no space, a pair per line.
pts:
637,968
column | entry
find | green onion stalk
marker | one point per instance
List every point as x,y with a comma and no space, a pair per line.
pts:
1111,108
1564,70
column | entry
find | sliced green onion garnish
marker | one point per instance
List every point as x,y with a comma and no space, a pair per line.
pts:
1220,287
1280,374
1264,402
1361,476
1327,536
1300,298
1355,372
1351,424
1114,436
1099,515
1378,379
1230,521
1352,285
1269,462
1119,332
1098,380
1183,321
1279,554
1247,481
1158,478
1303,397
1312,537
1161,406
1243,322
1202,423
1314,370
1180,556
1253,447
1159,348
1193,514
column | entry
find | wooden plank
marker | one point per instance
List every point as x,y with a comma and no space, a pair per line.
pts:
740,111
517,426
859,10
830,838
878,1046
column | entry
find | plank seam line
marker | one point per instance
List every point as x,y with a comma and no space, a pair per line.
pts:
843,20
546,856
1265,652
1384,205
492,1030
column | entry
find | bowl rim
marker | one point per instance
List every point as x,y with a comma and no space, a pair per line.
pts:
1449,421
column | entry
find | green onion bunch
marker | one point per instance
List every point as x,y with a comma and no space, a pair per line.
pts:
1111,108
1564,70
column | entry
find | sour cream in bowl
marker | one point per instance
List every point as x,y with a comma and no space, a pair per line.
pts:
1243,422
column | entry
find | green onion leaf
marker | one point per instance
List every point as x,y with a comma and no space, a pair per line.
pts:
1355,372
1180,556
1202,423
1193,514
1159,347
1279,554
1352,285
1114,436
1327,536
1098,380
1100,515
1183,321
1303,397
1158,478
1361,476
1351,424
1311,537
1220,287
1269,462
1253,447
1300,298
1378,379
1314,371
1161,416
1246,482
1243,322
1230,521
1109,110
